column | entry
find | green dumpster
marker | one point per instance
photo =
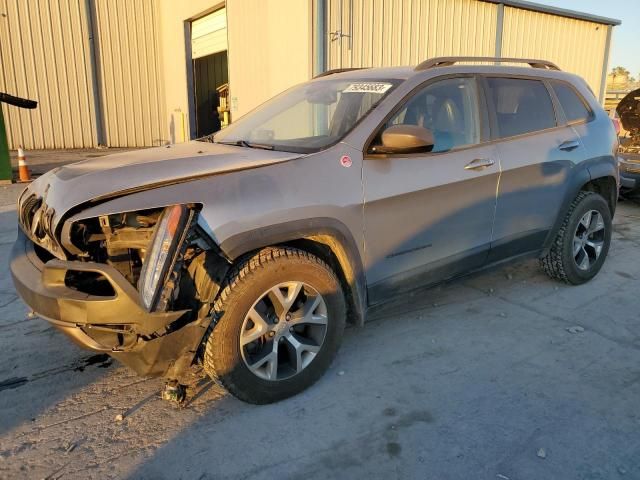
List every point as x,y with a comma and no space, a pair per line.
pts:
6,174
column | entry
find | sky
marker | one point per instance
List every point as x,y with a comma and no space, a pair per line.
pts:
625,46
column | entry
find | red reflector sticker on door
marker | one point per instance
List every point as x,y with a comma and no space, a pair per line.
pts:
345,161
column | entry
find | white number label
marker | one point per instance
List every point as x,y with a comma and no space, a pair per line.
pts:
367,87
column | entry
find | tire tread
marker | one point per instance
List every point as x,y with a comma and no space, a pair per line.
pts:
552,263
237,276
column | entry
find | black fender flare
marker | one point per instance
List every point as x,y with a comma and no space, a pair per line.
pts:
327,231
585,172
608,169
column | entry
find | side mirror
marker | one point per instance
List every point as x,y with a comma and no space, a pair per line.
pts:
405,139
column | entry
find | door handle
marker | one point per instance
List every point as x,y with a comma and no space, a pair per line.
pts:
479,164
569,145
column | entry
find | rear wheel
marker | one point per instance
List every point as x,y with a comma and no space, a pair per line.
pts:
581,246
279,324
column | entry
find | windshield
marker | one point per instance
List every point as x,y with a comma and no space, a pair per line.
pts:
308,117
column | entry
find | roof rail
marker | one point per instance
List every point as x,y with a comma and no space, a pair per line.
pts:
448,61
337,70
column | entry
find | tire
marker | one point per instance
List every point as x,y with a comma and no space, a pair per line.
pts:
561,263
249,288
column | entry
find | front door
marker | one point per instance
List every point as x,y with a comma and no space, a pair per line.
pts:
429,216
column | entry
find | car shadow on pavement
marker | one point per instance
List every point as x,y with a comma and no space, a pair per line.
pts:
481,377
477,375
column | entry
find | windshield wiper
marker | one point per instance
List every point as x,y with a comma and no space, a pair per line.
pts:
244,143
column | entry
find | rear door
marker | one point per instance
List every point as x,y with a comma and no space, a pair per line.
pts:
428,216
537,151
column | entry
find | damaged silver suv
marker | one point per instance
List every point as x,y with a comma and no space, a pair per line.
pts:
249,251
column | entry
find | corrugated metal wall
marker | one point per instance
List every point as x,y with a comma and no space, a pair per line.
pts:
405,32
44,56
131,88
372,33
270,49
576,46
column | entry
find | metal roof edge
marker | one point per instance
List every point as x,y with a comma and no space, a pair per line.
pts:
563,12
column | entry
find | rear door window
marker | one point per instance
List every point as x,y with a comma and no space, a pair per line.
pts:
575,109
521,106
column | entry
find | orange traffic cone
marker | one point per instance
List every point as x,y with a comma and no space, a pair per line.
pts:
23,168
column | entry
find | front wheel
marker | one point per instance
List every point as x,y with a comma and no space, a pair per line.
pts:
582,243
278,325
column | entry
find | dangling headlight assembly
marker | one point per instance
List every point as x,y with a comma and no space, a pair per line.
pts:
154,284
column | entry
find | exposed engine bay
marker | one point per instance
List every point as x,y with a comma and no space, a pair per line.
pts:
136,284
119,240
124,241
629,112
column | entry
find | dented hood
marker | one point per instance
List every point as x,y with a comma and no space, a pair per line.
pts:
629,110
92,180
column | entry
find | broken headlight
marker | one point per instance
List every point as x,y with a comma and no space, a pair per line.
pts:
155,282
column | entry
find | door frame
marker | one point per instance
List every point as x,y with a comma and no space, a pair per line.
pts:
493,121
440,266
485,121
533,242
191,91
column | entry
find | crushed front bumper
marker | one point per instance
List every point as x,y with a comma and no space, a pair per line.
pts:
146,342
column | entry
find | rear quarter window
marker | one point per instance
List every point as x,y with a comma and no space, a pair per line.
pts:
521,106
574,107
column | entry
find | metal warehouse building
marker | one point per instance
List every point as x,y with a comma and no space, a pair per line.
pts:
132,73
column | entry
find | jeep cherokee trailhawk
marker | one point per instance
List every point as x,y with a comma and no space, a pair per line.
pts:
250,250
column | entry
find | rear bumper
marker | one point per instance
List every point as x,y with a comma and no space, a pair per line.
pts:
115,324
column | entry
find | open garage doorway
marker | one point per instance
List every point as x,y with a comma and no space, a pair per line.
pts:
210,71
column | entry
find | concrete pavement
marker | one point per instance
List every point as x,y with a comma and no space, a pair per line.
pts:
480,378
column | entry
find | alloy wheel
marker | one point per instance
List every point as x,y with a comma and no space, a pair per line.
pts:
283,331
588,240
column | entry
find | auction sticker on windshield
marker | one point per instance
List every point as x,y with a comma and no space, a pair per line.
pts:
367,87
